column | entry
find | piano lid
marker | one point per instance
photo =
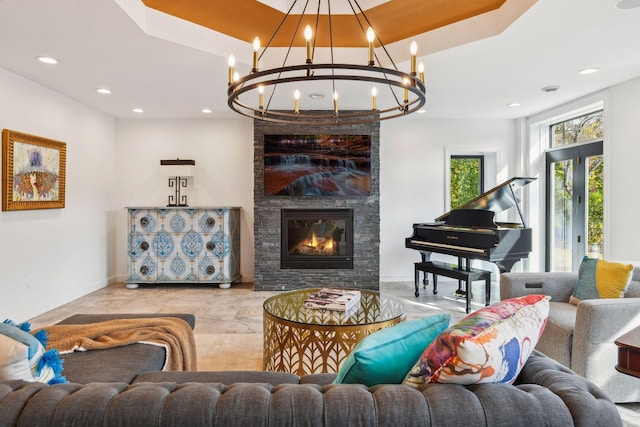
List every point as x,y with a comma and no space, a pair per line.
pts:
497,199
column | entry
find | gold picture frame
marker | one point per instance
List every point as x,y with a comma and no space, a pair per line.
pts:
33,172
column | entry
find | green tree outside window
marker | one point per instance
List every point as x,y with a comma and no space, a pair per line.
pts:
466,179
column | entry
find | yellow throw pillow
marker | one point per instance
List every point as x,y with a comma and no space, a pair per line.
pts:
598,278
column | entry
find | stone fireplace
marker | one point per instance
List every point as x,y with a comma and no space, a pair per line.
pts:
316,238
360,270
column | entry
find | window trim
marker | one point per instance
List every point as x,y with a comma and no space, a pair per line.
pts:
490,175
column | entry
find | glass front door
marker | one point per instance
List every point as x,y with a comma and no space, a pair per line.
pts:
575,196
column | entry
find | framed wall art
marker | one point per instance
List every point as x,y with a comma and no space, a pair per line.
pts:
317,165
33,172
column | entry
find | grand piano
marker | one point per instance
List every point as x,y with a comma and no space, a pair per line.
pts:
471,232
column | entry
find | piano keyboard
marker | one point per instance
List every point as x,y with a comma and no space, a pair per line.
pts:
443,245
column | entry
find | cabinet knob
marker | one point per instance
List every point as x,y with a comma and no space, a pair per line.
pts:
144,246
210,269
210,222
144,221
144,270
210,245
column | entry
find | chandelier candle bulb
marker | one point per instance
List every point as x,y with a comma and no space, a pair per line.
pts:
370,38
406,90
413,49
232,63
374,92
256,48
335,102
307,36
421,71
261,97
296,96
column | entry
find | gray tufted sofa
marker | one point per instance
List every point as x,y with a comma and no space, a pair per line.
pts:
545,394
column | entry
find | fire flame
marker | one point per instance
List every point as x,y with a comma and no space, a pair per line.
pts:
329,245
315,244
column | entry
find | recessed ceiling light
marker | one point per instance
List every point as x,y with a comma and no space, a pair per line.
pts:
138,110
207,110
316,96
103,91
589,70
550,89
514,104
47,60
421,111
627,4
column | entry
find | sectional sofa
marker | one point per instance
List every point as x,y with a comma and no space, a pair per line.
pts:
105,390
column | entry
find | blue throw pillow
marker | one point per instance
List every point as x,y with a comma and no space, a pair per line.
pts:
386,356
23,355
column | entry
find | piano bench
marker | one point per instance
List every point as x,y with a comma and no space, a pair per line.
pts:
443,269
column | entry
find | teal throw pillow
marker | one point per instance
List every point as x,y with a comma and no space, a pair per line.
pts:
386,356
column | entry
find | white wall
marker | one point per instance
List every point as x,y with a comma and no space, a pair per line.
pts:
412,159
223,151
622,157
52,256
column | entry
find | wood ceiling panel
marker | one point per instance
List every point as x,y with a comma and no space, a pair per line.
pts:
393,21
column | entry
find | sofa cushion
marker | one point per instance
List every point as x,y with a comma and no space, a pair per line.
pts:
633,290
119,364
598,278
557,339
488,346
23,355
386,356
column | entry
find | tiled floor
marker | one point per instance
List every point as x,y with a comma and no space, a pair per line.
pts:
228,321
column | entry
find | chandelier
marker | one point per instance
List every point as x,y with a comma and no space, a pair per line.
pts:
381,92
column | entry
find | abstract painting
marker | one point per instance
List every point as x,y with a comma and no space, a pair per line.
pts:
317,165
33,172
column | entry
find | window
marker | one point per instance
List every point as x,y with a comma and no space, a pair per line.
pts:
466,178
575,192
578,129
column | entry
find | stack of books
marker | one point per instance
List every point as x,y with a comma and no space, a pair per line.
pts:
333,299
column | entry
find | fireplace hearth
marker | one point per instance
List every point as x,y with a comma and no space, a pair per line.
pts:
316,238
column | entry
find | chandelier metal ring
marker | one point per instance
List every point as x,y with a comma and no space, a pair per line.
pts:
249,85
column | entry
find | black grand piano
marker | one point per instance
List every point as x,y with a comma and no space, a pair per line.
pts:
470,231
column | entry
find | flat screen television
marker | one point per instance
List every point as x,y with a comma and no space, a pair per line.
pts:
317,165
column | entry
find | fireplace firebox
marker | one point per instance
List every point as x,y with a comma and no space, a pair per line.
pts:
317,238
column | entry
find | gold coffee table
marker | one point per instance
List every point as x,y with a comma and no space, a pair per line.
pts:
307,341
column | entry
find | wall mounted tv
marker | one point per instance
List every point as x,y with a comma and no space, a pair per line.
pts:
317,165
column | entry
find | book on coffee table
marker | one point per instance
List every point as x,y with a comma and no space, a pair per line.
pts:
333,299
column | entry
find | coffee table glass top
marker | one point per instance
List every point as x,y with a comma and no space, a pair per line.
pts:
374,308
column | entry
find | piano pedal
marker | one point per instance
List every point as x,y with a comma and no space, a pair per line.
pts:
460,293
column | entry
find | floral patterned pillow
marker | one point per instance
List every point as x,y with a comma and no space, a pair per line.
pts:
488,346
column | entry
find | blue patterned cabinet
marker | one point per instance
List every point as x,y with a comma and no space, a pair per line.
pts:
183,245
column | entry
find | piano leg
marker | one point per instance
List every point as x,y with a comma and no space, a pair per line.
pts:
487,291
460,267
418,267
505,265
426,256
